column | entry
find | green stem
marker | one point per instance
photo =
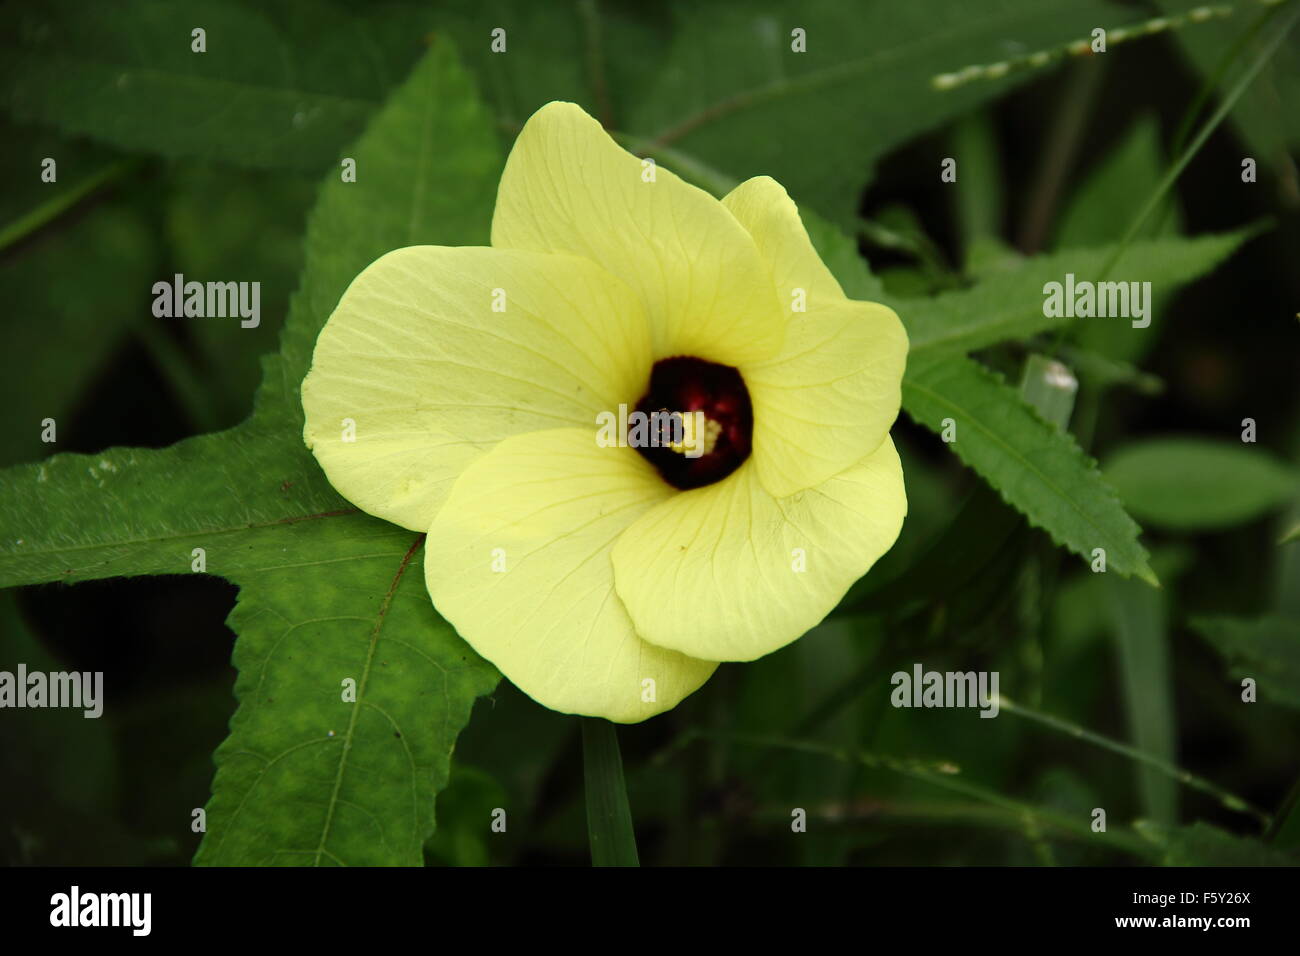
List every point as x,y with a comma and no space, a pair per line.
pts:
1176,170
51,209
1211,83
1216,76
609,818
1227,799
1194,147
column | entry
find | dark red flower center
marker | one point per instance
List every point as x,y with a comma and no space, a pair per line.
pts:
686,385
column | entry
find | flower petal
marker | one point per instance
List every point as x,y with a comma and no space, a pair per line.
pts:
829,398
568,187
432,376
715,572
550,505
771,217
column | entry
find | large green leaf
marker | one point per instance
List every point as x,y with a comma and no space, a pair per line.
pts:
1036,467
367,770
240,495
719,80
1196,484
135,511
596,54
1009,304
317,770
283,84
733,93
326,594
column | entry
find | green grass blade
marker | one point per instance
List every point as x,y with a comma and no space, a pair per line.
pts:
609,818
1140,617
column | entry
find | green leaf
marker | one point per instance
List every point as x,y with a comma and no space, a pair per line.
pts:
241,495
323,597
318,770
981,529
283,84
427,174
326,594
597,55
1009,304
1140,618
1266,649
1036,467
1124,179
609,818
1198,484
734,93
136,511
360,609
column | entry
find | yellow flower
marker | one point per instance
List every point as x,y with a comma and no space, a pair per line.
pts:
604,579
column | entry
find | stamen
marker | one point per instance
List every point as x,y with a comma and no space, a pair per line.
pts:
713,408
690,443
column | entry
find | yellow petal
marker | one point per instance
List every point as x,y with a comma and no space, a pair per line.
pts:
829,398
770,216
727,572
519,562
431,375
568,187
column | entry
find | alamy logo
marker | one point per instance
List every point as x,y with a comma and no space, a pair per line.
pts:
213,300
923,688
1084,299
690,433
75,908
78,690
